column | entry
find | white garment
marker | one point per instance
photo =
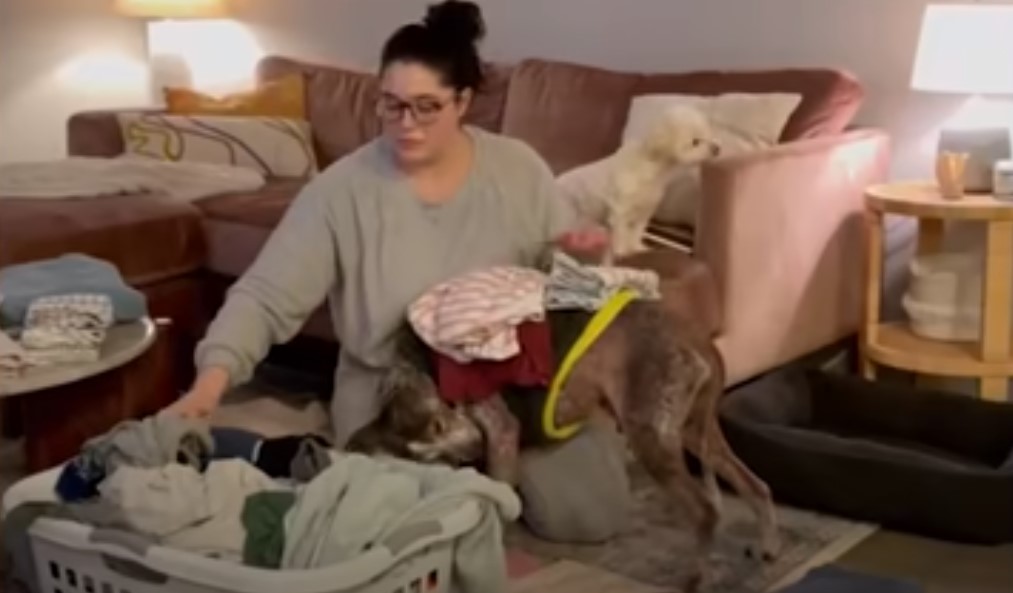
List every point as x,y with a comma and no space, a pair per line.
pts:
574,286
66,329
475,316
185,509
359,501
80,177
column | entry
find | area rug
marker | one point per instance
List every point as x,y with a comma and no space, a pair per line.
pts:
658,549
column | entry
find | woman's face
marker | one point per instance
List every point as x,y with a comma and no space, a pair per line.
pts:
420,114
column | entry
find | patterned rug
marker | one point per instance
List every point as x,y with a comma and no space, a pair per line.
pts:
659,550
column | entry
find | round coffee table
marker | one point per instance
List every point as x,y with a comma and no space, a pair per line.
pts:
894,344
50,392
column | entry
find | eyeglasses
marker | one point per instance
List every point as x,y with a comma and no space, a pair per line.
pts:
424,110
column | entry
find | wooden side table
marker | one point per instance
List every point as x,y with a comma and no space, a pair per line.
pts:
893,344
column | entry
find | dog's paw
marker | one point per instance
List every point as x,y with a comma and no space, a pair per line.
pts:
766,551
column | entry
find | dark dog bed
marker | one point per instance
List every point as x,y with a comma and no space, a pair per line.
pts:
929,462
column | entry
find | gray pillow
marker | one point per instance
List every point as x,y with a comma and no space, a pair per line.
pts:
578,491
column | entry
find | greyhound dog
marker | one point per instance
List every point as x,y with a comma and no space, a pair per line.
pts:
660,387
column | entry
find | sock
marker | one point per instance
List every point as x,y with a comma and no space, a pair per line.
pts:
276,455
78,481
236,443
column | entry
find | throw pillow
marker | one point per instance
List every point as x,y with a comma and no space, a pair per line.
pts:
741,122
276,147
283,97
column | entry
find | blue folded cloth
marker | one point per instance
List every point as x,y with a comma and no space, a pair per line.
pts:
68,274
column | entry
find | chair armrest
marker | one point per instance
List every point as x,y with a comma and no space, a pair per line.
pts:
781,231
97,133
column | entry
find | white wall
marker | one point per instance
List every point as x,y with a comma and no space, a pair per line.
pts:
58,57
876,39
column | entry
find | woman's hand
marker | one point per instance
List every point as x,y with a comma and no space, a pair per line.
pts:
590,243
203,398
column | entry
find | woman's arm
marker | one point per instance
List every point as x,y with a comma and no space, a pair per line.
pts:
268,305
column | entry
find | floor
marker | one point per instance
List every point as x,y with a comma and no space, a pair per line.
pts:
939,567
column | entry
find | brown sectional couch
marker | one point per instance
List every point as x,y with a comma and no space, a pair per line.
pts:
775,263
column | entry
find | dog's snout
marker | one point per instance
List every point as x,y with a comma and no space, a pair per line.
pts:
715,150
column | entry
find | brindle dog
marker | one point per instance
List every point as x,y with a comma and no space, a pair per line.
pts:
661,386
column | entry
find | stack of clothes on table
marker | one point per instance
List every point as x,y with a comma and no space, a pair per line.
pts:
283,503
518,332
58,311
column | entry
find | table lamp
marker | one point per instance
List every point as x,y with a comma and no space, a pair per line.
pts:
968,49
164,40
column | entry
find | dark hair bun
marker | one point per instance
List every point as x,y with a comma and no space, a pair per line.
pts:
459,21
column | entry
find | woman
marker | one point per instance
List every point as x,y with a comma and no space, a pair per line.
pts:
428,200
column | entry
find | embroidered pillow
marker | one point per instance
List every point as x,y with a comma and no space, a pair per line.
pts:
276,147
741,122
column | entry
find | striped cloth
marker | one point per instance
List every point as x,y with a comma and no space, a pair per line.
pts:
475,316
66,329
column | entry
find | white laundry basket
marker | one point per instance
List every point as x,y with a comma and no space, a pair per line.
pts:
75,558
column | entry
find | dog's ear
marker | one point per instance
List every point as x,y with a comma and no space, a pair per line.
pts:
410,350
661,144
411,399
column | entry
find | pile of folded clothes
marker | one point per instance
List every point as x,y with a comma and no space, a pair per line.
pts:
517,332
58,311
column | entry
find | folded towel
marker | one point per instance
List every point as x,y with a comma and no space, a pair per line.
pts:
67,323
13,358
68,274
574,286
71,312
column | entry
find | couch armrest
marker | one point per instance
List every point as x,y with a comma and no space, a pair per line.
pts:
781,231
96,133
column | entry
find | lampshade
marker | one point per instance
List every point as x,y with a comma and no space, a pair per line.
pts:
965,48
173,9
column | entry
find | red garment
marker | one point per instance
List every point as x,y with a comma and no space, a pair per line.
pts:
481,379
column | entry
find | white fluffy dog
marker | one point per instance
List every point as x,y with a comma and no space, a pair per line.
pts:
623,191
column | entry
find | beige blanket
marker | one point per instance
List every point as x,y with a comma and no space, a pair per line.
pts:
92,177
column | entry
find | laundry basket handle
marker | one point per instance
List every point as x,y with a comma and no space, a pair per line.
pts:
423,532
134,544
405,536
134,570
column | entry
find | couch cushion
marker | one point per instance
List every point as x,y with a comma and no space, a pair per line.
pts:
150,238
486,109
340,103
238,224
830,98
575,114
570,114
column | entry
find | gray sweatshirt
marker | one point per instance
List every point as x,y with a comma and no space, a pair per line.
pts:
358,236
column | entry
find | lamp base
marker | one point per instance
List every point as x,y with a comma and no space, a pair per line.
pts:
984,146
